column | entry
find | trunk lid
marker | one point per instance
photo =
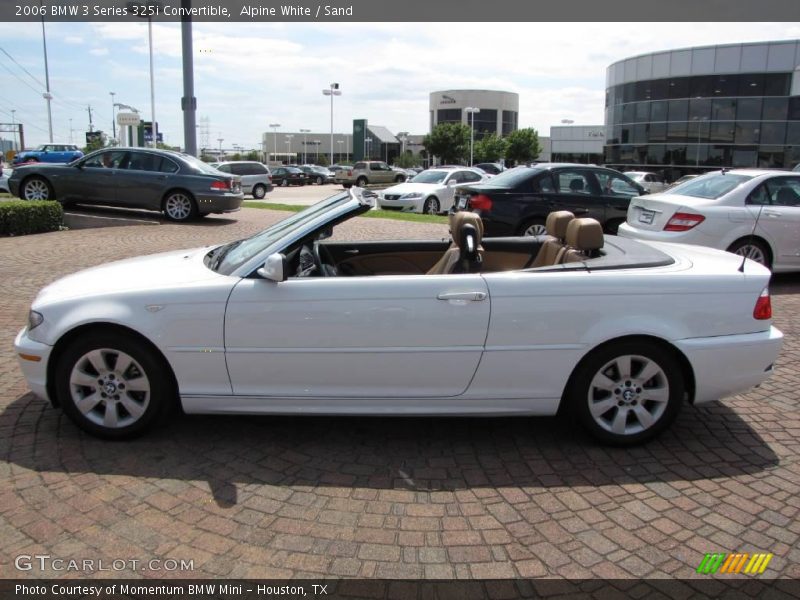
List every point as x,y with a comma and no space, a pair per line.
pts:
653,212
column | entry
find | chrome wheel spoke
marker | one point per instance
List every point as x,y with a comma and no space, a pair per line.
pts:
137,384
123,364
83,379
88,403
604,383
600,408
97,360
111,418
643,415
620,419
624,367
658,394
135,409
649,371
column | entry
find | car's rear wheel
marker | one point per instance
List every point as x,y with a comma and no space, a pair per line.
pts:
180,206
347,186
431,206
626,392
318,180
112,385
259,191
36,188
533,227
361,181
753,249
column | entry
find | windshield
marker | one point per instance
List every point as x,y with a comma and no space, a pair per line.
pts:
199,165
226,259
429,177
710,186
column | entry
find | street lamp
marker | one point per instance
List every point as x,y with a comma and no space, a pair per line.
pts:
368,147
567,121
14,127
113,121
289,137
274,127
304,132
471,110
332,91
147,9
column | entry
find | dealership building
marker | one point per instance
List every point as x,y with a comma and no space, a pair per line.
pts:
696,109
498,112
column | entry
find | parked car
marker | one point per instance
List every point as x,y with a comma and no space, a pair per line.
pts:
750,212
339,344
366,172
49,153
284,176
179,185
4,175
430,192
255,176
651,182
491,168
318,175
517,201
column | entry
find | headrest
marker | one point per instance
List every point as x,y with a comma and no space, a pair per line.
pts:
576,185
585,234
464,220
557,222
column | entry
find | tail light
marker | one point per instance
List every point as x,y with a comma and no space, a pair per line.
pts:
480,202
221,185
683,221
763,307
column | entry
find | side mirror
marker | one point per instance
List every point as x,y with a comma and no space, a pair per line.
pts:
274,268
452,183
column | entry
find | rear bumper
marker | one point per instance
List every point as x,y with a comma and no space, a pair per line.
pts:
730,364
219,203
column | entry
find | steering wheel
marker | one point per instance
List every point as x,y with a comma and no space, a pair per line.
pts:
327,267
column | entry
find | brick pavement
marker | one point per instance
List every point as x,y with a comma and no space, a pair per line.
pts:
359,497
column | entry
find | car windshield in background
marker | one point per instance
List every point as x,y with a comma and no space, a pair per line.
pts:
199,165
226,259
512,177
430,177
709,187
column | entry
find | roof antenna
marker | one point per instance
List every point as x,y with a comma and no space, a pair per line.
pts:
752,235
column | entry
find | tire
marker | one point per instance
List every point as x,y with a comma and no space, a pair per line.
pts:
431,206
533,227
623,409
347,186
399,179
108,399
180,207
259,191
284,182
318,180
361,181
754,249
36,188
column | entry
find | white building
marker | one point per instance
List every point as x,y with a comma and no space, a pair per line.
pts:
498,111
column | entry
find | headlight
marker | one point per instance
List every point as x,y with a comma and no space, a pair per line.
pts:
411,196
34,319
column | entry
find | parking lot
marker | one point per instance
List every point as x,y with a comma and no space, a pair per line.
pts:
369,497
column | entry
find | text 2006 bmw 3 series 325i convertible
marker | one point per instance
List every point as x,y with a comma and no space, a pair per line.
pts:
617,332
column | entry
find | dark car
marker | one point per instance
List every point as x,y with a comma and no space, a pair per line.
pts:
491,168
179,185
288,176
317,175
517,201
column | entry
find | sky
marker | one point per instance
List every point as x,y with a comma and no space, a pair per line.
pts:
248,75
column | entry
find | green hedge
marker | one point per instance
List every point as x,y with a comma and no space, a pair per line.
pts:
20,217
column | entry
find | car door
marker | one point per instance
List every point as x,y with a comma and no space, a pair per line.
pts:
578,191
382,173
394,336
781,219
143,182
96,179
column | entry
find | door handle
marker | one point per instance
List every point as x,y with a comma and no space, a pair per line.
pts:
471,296
772,213
353,251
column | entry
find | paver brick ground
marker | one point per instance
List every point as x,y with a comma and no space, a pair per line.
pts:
370,497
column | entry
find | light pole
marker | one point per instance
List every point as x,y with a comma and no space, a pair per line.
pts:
220,140
47,95
113,121
471,110
332,91
304,132
367,148
697,149
274,127
289,137
70,132
567,121
316,150
146,9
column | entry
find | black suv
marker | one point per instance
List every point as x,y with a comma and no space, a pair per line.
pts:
517,201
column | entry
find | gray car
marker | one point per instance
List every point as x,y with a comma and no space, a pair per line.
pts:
179,185
256,177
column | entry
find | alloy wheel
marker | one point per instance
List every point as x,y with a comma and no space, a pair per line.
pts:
36,189
178,207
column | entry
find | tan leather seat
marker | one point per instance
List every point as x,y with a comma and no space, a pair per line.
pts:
554,245
584,240
465,253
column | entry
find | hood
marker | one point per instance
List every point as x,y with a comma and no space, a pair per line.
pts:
410,188
146,273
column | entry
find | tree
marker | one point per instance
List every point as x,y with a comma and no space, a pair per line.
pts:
407,159
490,149
323,161
252,155
448,141
523,145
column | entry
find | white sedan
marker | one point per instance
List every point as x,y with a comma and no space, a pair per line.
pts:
617,332
431,191
750,212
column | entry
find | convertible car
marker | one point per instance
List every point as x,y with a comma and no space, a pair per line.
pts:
616,332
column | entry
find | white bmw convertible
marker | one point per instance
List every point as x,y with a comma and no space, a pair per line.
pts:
617,332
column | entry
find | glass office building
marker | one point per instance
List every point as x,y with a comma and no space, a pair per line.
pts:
698,109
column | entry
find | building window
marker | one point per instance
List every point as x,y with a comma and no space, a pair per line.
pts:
448,115
509,121
485,122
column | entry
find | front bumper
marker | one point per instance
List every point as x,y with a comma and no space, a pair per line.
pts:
35,372
730,364
411,204
221,203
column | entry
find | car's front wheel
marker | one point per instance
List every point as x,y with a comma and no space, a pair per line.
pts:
626,392
179,206
319,180
259,191
431,206
752,249
112,385
284,182
36,188
361,181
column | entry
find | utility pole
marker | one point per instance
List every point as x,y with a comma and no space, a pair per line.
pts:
89,109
